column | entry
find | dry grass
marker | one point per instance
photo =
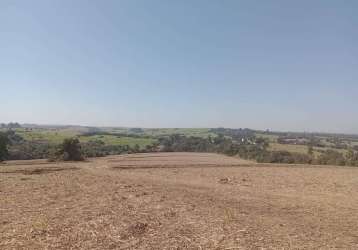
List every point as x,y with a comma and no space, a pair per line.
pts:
177,201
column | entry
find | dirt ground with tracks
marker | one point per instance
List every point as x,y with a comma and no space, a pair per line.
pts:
176,201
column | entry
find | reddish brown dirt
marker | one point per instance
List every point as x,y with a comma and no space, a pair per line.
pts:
176,201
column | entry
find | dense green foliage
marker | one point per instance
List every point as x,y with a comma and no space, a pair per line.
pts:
4,141
238,135
219,144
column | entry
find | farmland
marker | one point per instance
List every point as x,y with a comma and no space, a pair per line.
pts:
115,136
299,148
57,135
176,201
118,140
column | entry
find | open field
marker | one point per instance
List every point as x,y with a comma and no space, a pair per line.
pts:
176,201
119,140
289,147
271,138
50,135
155,132
57,135
303,149
198,132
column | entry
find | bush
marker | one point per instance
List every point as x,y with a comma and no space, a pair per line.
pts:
352,157
4,142
331,157
284,157
30,150
70,150
94,148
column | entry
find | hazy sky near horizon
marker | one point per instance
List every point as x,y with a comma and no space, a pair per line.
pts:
280,65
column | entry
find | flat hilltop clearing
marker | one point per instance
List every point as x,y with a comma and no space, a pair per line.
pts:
176,201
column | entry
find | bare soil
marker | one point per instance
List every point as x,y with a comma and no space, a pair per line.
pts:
176,201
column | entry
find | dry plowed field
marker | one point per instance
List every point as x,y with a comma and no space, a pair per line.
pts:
176,201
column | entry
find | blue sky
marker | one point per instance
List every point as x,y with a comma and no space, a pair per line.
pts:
281,65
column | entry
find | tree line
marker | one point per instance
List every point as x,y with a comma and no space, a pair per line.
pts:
14,147
256,149
244,144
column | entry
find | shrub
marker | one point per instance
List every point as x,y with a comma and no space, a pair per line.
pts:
30,150
4,142
352,157
331,157
94,148
70,150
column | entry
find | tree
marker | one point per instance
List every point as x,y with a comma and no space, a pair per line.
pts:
71,150
4,141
